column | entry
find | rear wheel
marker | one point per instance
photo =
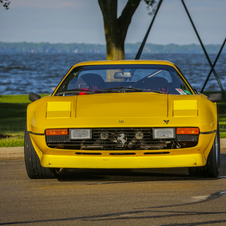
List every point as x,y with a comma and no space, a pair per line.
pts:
212,167
32,162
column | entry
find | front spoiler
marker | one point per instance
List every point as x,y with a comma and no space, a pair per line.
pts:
90,162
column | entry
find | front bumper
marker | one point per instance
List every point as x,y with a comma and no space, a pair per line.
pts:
184,157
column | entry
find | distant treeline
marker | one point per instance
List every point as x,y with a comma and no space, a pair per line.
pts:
45,47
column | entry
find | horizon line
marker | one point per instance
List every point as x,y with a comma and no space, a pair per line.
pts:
55,43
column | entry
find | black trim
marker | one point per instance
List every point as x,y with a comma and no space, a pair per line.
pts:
39,134
214,131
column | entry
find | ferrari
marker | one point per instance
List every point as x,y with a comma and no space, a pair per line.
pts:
128,114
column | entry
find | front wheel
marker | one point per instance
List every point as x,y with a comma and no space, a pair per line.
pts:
213,162
32,162
212,167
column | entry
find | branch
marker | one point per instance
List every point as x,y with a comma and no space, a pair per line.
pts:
125,19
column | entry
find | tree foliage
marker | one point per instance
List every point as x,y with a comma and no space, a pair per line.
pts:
116,27
5,3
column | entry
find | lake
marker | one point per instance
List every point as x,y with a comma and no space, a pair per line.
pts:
38,72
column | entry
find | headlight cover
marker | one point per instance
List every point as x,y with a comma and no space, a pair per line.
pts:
77,134
163,133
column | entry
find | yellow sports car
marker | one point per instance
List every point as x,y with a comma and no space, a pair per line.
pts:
122,114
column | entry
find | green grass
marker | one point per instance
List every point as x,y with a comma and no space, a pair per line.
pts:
222,124
13,117
221,110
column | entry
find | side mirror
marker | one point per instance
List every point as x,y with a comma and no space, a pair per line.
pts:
215,97
33,96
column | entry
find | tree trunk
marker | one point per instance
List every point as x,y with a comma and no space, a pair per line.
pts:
116,28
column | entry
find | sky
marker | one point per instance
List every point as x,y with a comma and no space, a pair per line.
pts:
81,21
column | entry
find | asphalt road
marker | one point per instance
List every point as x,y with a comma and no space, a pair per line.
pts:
111,197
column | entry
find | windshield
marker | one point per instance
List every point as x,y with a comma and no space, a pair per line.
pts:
123,78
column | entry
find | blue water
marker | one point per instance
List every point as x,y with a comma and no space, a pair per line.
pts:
38,72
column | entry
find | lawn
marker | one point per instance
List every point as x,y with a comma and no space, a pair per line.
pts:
13,117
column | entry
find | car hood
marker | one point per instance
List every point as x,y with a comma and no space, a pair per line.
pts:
122,105
121,109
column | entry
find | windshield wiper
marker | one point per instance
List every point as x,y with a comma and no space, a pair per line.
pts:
119,89
155,91
73,91
127,89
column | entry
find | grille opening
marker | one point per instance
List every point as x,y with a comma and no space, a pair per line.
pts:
122,139
87,153
156,153
128,153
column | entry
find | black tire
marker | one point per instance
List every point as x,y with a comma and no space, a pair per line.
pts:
213,162
212,167
32,162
